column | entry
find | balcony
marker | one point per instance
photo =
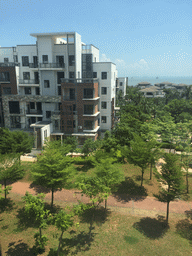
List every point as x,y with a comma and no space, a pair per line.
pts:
34,112
70,98
55,113
9,64
45,66
33,65
79,80
30,82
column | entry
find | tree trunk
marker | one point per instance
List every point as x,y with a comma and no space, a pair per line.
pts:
91,225
167,217
52,191
151,171
187,182
40,233
142,178
105,204
58,251
5,185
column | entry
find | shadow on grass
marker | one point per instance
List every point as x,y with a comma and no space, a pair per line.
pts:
6,205
184,227
151,227
39,189
23,221
129,190
20,249
78,243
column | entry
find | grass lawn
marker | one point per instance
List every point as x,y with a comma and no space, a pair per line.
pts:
112,234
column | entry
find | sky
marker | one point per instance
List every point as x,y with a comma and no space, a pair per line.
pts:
142,37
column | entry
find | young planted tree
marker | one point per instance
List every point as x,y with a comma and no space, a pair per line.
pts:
10,170
52,170
171,178
139,154
110,175
63,221
34,208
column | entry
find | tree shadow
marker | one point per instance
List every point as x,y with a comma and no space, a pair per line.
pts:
6,205
184,227
20,249
25,222
151,227
39,189
54,209
128,190
78,243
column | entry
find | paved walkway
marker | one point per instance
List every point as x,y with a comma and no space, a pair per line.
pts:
143,206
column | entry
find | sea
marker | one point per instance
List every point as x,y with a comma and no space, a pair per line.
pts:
134,80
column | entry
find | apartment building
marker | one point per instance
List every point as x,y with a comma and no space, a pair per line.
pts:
57,87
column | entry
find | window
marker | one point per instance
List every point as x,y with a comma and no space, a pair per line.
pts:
59,90
103,105
45,59
103,90
26,76
104,119
121,83
88,125
94,74
103,75
69,122
74,124
48,114
15,121
6,60
25,61
32,105
46,84
88,93
27,90
59,76
72,94
36,76
37,91
88,110
45,134
14,107
15,58
4,77
71,74
60,61
71,60
7,90
56,125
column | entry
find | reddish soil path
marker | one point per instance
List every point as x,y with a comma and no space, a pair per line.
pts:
145,205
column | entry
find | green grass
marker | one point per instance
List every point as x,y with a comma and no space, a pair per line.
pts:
113,233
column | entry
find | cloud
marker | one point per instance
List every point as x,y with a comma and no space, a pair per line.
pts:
104,58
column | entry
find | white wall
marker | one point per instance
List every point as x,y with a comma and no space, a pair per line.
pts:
49,129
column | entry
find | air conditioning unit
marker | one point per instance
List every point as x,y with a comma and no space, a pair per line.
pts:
79,127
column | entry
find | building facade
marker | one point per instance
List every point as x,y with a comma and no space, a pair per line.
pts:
57,82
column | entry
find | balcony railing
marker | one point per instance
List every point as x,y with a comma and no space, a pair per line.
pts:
79,80
69,97
30,81
55,112
33,65
9,64
34,112
52,65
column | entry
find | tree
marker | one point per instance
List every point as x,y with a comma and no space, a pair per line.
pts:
34,208
89,146
171,177
6,141
10,170
110,175
139,154
63,221
52,170
22,142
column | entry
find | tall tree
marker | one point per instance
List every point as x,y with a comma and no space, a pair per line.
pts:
171,178
139,154
52,170
10,170
110,175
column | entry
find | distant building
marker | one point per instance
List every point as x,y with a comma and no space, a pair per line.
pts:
152,92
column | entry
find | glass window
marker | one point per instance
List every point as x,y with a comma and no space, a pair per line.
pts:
15,58
104,119
71,74
88,93
14,107
6,60
37,91
27,90
103,105
103,75
6,90
15,121
45,59
25,61
88,109
48,114
4,77
71,60
88,125
26,75
59,90
46,84
121,83
94,74
59,76
103,90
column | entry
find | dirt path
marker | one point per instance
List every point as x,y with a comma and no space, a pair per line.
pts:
142,206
